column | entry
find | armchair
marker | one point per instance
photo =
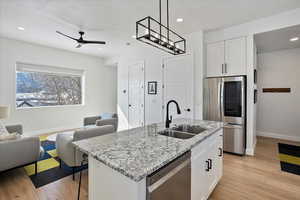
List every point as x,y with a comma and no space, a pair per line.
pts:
101,120
19,152
66,150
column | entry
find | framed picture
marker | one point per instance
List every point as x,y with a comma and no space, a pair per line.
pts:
152,87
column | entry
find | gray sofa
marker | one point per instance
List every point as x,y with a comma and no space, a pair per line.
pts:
19,152
66,150
101,120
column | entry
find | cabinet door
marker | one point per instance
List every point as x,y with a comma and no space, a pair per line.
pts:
217,168
219,158
215,156
215,59
212,177
235,57
200,175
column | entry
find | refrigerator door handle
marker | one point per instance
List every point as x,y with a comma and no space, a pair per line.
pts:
222,68
222,100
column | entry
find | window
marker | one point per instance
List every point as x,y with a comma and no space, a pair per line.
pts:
41,86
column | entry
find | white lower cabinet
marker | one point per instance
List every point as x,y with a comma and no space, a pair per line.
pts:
207,166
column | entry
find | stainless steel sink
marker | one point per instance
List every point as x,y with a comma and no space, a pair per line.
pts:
183,131
176,134
192,129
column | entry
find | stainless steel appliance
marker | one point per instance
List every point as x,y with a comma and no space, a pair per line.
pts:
172,182
225,100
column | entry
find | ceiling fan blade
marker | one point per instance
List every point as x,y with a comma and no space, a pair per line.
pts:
93,42
78,46
66,35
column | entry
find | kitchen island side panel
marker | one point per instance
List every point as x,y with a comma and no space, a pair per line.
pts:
106,183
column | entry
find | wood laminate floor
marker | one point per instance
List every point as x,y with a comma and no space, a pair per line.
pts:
245,178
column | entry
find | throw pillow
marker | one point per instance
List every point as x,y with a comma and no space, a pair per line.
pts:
106,116
12,136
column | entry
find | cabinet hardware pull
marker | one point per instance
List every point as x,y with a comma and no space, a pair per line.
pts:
207,169
222,68
225,68
210,163
221,152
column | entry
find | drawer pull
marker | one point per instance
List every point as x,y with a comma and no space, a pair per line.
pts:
221,152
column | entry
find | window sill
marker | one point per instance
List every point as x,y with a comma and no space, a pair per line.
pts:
46,107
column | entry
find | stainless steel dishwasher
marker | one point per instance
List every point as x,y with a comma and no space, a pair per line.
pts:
172,182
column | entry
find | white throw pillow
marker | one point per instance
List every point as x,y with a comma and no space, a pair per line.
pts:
12,136
3,130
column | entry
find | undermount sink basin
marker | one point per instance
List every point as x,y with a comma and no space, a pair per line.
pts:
192,129
176,134
183,131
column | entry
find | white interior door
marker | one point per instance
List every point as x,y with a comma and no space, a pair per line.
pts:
179,86
136,95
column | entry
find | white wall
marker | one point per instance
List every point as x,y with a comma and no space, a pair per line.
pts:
279,113
153,58
286,19
99,88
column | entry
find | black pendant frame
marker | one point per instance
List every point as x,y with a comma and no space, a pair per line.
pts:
154,33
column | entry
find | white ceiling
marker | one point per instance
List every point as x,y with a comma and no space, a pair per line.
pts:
278,39
114,20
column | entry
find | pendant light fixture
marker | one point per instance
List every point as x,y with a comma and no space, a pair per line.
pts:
154,33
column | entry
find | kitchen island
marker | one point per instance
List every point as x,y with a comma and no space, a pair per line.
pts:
120,163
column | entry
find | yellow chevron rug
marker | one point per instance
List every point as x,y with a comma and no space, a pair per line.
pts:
48,166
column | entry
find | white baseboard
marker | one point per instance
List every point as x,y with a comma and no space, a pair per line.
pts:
278,136
50,130
250,152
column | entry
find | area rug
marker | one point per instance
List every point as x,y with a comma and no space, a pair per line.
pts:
48,166
289,156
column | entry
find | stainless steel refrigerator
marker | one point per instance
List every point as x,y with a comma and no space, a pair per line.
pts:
225,100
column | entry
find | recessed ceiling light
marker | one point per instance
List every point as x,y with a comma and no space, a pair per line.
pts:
133,36
179,20
294,39
21,28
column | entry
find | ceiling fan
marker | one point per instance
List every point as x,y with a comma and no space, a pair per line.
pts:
80,40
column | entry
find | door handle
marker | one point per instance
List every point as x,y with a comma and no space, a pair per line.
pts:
207,166
210,163
221,152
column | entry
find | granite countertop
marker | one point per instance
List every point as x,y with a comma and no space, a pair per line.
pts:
139,152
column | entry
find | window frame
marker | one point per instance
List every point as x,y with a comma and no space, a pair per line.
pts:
82,77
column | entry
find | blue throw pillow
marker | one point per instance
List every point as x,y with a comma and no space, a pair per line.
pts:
106,116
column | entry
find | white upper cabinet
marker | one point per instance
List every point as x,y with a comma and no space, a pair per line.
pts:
227,58
235,57
215,59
